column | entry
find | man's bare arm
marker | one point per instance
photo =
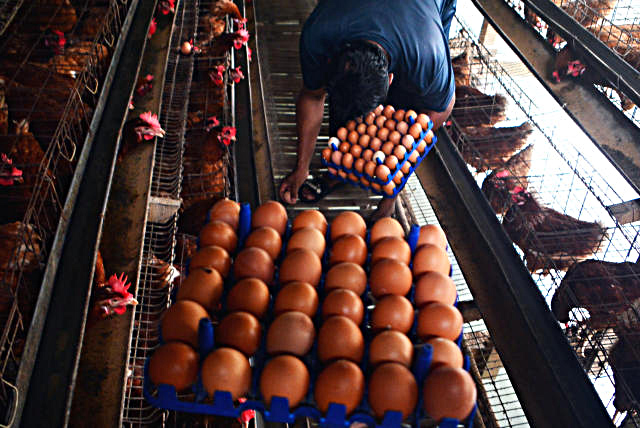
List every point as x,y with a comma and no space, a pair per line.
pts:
439,118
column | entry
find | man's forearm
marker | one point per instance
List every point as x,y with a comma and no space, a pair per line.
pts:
438,118
309,110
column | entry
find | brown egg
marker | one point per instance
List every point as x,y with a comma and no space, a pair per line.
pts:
351,125
388,111
432,234
395,137
390,124
254,262
348,223
284,376
399,115
326,154
339,337
310,218
376,187
367,155
364,181
204,286
212,256
399,152
445,353
271,214
406,168
449,393
387,148
428,139
372,130
380,120
363,142
369,118
180,322
434,287
413,157
422,146
410,114
346,275
375,144
342,174
297,296
415,131
407,142
361,129
383,228
241,331
392,313
430,258
343,302
356,150
352,138
347,160
266,238
391,162
333,170
378,110
397,179
437,319
391,248
423,120
174,363
219,233
250,295
348,248
392,387
227,211
290,333
309,238
345,146
301,265
389,276
382,172
391,346
389,188
226,369
358,165
342,134
402,127
340,382
383,134
370,168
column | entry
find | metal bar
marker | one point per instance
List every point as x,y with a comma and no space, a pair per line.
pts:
617,139
48,401
549,381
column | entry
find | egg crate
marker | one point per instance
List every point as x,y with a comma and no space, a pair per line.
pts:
379,161
197,401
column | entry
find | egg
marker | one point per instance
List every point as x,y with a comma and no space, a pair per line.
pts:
185,48
219,233
390,124
363,142
434,287
380,120
389,276
351,125
309,238
387,148
250,295
413,157
415,131
383,172
346,275
364,181
356,149
370,168
367,155
391,247
376,187
389,188
333,171
395,137
428,139
437,319
310,218
227,211
444,353
369,118
391,162
241,331
290,333
407,142
212,256
378,157
347,160
333,143
388,111
352,138
342,134
341,382
342,174
338,338
402,127
181,320
430,258
301,265
174,363
378,110
383,228
423,120
358,165
343,302
399,152
392,313
375,144
297,296
397,179
361,128
399,115
372,130
391,346
432,234
449,393
411,114
353,178
326,154
271,214
266,238
392,387
348,248
406,168
254,262
284,376
345,146
383,134
422,146
348,223
204,286
226,369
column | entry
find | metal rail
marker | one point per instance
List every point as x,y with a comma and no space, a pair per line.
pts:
8,10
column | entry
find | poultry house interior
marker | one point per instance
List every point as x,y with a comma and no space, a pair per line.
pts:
125,126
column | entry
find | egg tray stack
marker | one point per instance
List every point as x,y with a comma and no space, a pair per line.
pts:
382,138
278,410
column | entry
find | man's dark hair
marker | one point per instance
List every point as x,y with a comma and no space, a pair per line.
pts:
358,81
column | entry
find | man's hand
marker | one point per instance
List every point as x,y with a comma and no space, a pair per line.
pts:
291,184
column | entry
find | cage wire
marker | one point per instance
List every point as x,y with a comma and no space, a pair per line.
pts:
551,191
53,59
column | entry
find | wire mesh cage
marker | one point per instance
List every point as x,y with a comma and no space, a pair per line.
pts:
552,194
53,58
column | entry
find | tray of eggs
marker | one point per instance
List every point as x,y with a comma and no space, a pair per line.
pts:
381,150
300,318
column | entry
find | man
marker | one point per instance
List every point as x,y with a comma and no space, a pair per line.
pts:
366,53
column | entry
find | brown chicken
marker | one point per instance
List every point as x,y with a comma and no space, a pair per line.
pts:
462,67
474,108
624,358
548,238
91,22
213,23
512,177
205,168
145,127
76,57
53,14
605,289
489,147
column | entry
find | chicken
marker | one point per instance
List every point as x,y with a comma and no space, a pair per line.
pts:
163,273
474,108
21,248
205,167
4,110
91,22
490,148
624,358
604,288
75,58
462,67
142,128
512,177
548,238
54,14
110,298
213,23
223,8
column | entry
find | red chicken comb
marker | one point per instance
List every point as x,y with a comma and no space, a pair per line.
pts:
9,174
119,284
167,6
241,38
151,119
152,27
236,74
228,135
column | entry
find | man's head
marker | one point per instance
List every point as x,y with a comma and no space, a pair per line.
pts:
358,82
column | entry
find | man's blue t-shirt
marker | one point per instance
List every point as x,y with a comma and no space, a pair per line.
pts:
414,33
